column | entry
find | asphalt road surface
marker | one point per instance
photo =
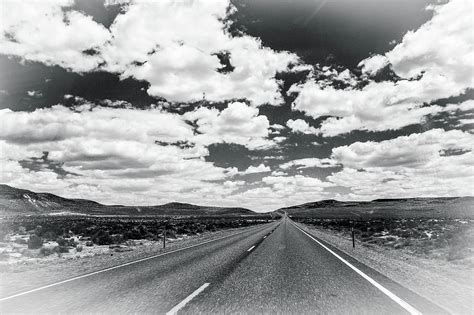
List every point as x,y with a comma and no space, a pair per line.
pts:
273,268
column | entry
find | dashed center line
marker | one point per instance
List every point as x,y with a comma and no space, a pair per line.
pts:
181,304
251,248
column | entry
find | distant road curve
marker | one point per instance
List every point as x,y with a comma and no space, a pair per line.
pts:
272,268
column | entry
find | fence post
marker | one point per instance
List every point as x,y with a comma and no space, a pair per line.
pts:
164,237
353,238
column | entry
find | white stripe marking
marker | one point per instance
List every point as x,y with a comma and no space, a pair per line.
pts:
181,304
391,295
250,248
118,266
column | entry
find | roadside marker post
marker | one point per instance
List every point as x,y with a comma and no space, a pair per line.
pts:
353,238
164,237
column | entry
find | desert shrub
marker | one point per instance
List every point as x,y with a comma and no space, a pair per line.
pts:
20,240
49,235
102,238
46,251
61,241
170,234
35,242
62,249
71,242
21,229
79,248
182,230
117,238
38,230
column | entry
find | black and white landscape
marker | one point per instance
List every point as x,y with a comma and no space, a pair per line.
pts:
237,156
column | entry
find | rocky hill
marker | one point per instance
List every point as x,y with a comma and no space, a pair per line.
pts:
15,201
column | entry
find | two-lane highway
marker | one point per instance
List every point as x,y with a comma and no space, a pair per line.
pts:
291,273
257,271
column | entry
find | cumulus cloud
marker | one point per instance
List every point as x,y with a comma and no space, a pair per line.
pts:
310,162
105,150
238,123
420,164
373,64
183,61
149,41
301,126
288,190
434,62
76,36
262,168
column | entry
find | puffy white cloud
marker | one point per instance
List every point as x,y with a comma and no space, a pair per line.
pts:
181,60
373,64
433,163
288,190
301,126
435,59
278,173
149,156
310,162
290,183
405,151
443,45
60,123
152,41
262,168
238,123
60,37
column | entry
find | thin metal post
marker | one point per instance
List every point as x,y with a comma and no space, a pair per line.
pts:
164,238
353,238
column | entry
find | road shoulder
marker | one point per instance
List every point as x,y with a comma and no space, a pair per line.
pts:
450,288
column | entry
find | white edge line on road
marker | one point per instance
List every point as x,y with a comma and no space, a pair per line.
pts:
391,295
115,267
251,248
181,304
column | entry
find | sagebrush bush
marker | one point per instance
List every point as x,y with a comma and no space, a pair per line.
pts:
61,241
102,238
62,249
46,251
35,242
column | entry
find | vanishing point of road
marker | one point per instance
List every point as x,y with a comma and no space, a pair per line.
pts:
272,268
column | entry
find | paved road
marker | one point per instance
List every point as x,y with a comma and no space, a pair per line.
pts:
273,268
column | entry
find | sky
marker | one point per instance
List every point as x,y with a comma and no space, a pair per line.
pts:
249,103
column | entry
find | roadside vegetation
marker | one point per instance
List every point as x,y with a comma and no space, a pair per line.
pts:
441,238
42,236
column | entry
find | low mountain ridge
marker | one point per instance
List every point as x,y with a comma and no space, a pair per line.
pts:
16,201
454,207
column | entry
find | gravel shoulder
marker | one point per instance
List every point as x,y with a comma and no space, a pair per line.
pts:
32,273
447,284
